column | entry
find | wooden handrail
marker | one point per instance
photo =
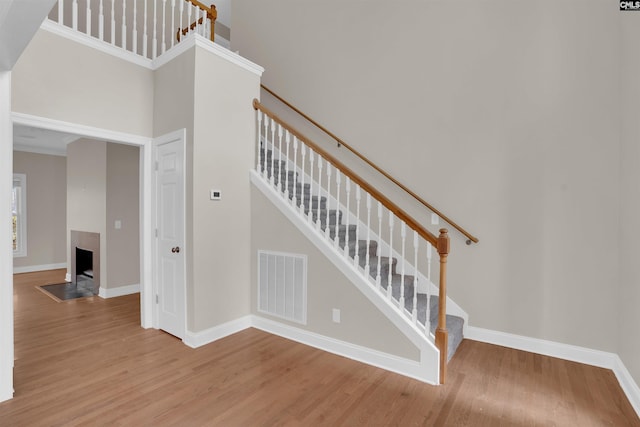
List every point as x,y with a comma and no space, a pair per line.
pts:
397,211
212,15
340,142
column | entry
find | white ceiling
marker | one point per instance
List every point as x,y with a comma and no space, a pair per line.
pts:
43,141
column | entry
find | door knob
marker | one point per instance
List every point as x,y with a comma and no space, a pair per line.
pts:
176,249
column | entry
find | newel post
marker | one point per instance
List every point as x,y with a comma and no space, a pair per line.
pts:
442,336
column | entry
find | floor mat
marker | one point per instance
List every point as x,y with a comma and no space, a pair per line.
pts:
68,291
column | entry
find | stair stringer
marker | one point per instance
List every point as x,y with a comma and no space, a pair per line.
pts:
427,369
425,285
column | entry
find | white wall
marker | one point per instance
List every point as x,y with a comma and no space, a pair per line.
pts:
504,114
629,293
223,154
122,204
60,79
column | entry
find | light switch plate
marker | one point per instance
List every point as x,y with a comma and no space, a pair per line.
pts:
215,194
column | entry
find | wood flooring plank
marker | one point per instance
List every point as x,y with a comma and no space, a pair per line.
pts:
89,363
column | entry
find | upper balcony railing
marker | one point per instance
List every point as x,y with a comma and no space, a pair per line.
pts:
147,28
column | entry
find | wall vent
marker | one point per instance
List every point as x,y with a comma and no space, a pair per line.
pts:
282,285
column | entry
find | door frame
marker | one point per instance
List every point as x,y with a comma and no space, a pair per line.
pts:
145,144
181,137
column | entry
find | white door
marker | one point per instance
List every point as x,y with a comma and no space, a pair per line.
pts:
170,254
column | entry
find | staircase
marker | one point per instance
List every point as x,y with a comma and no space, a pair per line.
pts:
383,269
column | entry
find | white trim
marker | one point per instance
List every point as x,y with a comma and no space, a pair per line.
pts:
21,251
399,365
108,48
81,130
230,56
6,252
119,291
41,267
628,385
198,339
51,151
573,353
146,237
67,277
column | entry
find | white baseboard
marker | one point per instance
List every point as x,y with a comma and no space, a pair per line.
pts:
389,362
573,353
42,267
627,383
119,291
198,339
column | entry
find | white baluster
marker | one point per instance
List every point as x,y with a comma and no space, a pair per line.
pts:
258,145
294,199
154,45
145,37
326,228
302,153
134,28
124,24
347,189
280,132
367,255
61,12
88,17
310,207
286,175
347,214
414,311
189,11
427,324
379,253
164,25
173,20
356,255
319,193
389,287
265,147
181,20
101,21
273,151
113,22
74,14
403,235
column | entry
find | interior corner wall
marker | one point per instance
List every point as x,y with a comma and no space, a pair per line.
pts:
86,195
61,79
502,114
629,293
327,287
223,154
123,205
173,108
46,208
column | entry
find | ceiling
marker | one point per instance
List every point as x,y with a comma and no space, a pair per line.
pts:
42,141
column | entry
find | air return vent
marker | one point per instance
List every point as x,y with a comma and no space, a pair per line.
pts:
282,285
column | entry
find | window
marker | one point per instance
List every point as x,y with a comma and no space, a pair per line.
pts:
19,214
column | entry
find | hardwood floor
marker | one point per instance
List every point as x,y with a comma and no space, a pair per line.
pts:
88,362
